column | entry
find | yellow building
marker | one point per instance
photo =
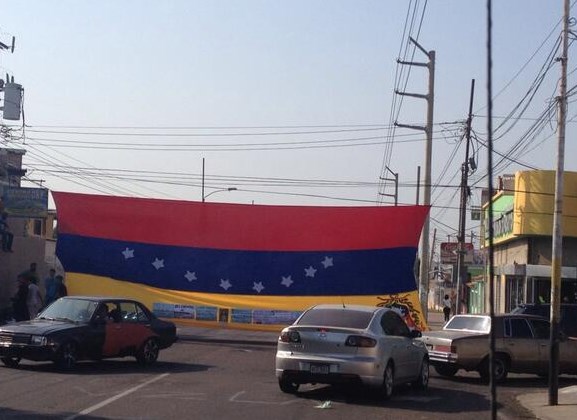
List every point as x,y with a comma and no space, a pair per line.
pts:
523,226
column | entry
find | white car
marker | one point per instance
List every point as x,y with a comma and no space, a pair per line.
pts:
335,344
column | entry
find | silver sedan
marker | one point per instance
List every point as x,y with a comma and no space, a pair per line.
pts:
334,344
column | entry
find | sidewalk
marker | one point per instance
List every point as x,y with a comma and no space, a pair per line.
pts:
536,403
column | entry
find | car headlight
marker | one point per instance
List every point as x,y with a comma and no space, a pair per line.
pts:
38,340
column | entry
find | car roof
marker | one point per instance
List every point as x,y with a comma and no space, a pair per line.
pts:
100,298
504,315
360,308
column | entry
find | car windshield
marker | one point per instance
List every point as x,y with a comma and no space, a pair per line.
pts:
469,323
75,310
344,318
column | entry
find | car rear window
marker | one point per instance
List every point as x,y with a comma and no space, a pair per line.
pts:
541,310
345,318
470,323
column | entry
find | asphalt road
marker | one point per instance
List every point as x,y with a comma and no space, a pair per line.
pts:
232,381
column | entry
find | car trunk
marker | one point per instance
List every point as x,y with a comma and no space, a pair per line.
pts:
327,340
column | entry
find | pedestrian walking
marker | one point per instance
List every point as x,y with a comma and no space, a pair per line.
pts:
447,304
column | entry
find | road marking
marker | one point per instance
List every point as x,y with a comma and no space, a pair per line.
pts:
195,396
116,397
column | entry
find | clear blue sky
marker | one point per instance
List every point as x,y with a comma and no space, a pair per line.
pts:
124,74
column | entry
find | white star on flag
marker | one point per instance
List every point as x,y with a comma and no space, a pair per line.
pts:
128,253
158,263
310,272
287,281
327,262
190,276
225,284
258,287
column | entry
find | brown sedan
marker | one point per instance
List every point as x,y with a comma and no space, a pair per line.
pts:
522,346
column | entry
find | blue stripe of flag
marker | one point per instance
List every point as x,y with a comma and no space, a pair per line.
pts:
310,273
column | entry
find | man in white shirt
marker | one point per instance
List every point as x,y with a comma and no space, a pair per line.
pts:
34,300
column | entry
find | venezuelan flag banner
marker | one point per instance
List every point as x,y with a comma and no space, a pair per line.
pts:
236,265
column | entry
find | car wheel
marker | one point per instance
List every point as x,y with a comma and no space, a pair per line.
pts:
287,386
67,356
423,380
388,382
446,370
11,362
501,369
148,353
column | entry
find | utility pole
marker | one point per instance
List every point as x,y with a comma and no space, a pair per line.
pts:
557,245
395,179
418,184
461,269
428,129
202,189
12,103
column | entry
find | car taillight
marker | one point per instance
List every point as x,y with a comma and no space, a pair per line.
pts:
360,341
290,337
446,349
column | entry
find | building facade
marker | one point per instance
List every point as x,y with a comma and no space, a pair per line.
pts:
31,224
522,244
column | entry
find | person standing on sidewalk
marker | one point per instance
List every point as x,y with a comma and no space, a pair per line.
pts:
34,298
447,304
50,287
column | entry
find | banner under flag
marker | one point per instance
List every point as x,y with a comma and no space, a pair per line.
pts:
239,265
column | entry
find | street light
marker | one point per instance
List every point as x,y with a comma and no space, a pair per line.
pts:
215,191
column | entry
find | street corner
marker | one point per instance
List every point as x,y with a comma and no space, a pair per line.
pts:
538,404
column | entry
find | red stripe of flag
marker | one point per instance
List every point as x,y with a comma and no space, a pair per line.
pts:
238,226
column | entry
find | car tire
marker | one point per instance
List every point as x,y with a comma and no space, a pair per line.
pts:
67,356
287,386
148,352
447,371
388,382
422,382
500,372
11,362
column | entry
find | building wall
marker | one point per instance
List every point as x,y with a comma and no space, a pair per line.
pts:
27,249
515,252
540,251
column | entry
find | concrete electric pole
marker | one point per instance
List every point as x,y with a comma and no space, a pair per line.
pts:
428,129
557,245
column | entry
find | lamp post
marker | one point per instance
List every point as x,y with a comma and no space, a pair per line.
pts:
215,191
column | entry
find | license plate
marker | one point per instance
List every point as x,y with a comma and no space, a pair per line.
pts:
321,369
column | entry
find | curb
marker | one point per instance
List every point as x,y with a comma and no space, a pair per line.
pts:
244,341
